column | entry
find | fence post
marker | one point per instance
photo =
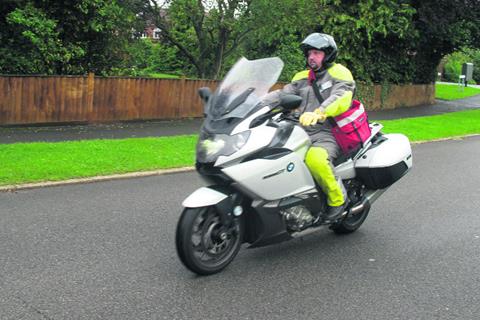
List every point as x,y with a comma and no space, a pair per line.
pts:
90,94
179,110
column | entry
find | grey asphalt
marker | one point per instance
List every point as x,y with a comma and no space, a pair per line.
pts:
14,134
106,251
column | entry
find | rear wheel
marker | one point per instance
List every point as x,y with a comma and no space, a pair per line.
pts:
204,244
351,222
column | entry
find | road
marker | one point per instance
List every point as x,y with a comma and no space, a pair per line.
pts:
106,251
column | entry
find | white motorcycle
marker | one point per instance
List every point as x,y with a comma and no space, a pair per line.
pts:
260,190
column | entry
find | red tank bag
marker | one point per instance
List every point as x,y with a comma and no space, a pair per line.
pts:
351,128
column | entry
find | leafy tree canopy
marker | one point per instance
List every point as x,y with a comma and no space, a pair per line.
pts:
380,41
62,37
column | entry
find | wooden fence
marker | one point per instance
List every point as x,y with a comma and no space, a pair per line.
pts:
26,100
55,99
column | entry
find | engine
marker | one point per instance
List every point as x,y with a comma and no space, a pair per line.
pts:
297,218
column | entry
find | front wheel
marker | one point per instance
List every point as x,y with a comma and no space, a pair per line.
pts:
204,244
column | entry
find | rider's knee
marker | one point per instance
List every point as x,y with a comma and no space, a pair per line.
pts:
316,156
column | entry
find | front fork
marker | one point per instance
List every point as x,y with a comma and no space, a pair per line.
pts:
229,208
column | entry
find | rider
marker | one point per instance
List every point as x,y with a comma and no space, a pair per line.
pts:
335,86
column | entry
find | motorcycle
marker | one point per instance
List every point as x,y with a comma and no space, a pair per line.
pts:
259,189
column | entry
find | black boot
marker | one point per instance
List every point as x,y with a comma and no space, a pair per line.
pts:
333,213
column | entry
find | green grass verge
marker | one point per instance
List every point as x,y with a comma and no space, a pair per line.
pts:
34,162
436,127
162,75
454,92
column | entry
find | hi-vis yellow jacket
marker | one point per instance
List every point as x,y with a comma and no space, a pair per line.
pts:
336,87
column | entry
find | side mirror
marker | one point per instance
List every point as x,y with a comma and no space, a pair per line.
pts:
205,94
290,101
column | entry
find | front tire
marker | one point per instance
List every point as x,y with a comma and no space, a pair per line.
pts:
204,244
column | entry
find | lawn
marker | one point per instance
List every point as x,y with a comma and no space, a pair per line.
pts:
436,127
33,162
453,92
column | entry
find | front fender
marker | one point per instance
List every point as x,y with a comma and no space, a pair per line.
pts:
203,197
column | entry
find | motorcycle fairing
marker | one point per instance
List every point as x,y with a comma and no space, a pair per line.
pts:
272,179
259,138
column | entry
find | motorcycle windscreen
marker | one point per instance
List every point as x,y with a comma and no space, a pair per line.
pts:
243,87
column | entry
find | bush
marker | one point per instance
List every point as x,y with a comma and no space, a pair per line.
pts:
148,58
453,66
474,55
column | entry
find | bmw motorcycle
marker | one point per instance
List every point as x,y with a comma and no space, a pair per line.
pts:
260,191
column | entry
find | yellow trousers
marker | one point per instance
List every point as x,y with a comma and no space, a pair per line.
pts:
319,165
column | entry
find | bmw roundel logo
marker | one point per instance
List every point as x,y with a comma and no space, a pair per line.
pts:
290,167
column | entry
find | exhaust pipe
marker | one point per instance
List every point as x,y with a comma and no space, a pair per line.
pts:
370,197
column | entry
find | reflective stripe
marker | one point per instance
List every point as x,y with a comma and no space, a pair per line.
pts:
326,86
351,117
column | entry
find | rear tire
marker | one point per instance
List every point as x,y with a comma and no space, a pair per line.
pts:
203,244
350,223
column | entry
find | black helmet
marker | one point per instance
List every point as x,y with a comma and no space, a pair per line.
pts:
323,42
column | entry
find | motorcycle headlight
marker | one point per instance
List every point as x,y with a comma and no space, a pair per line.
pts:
210,147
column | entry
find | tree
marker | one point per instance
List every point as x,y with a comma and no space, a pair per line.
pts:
30,42
370,36
146,57
67,37
398,41
205,32
279,27
380,41
443,26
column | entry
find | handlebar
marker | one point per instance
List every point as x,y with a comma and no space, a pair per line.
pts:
291,117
